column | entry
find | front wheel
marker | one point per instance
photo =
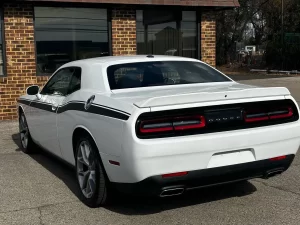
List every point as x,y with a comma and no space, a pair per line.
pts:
91,177
27,144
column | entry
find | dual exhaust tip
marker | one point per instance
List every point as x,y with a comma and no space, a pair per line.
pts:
179,191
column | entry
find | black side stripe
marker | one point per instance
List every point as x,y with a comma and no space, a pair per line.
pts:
79,106
42,106
24,102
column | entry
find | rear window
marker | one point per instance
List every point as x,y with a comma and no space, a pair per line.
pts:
160,73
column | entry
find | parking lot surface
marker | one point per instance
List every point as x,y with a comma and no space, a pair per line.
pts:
38,189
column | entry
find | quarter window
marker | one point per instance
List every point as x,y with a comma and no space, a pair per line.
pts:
75,83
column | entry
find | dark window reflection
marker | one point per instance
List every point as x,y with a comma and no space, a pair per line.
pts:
67,34
1,47
167,33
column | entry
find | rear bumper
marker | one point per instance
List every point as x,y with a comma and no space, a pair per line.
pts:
155,185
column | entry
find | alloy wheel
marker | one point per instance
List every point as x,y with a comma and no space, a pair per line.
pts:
24,131
86,169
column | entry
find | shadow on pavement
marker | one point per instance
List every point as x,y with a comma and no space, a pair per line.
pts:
60,169
129,205
135,205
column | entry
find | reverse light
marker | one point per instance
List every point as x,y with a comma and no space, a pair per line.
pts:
179,174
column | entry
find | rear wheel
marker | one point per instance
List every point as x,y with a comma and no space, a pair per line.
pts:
90,173
27,144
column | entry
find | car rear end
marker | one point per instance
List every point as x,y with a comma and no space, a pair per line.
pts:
201,134
169,151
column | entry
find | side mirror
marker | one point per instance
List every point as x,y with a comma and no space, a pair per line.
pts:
33,90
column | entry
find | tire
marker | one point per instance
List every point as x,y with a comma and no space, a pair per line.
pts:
91,178
27,144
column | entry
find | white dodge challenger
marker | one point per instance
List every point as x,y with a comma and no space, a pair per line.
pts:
158,126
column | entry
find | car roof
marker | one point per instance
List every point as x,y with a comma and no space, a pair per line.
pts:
112,60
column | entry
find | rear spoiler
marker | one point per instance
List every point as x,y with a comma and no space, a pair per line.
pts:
212,96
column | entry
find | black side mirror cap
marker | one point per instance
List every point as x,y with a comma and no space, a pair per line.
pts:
33,90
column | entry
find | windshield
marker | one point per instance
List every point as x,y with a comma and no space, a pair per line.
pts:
160,73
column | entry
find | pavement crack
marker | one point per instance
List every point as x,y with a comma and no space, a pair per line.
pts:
39,208
40,216
278,188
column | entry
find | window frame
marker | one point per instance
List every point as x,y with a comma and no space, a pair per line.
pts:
4,59
178,27
75,6
55,73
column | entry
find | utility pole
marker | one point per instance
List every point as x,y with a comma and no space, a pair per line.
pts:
282,35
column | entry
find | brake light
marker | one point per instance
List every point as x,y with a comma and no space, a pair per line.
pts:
264,115
172,124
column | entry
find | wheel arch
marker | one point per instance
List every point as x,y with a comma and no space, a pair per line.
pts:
20,110
78,131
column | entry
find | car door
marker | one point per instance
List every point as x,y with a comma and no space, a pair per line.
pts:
67,119
43,118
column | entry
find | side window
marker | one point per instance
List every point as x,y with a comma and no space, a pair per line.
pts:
75,83
59,83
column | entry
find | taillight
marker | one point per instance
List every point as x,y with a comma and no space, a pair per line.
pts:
281,113
172,124
154,126
190,122
258,115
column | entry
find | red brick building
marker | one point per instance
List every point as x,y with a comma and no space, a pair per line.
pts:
39,36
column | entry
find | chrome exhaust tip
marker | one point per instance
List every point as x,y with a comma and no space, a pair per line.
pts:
273,173
172,192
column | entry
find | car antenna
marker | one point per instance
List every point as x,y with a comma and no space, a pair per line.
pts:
150,56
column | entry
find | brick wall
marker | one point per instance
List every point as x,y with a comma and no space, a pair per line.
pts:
20,57
20,49
123,31
208,38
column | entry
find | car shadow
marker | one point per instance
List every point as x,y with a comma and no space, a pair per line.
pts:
58,168
136,205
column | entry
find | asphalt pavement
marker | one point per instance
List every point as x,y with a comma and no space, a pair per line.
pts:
39,189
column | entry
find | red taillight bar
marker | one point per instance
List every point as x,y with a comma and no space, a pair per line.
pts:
270,115
172,124
194,122
280,114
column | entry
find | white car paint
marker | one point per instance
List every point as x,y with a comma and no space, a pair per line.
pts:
139,159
